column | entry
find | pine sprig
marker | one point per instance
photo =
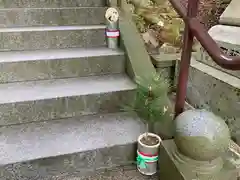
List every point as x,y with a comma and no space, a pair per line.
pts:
151,101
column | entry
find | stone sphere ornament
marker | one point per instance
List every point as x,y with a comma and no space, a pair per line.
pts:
201,135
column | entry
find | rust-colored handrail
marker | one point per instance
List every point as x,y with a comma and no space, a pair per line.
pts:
198,30
193,28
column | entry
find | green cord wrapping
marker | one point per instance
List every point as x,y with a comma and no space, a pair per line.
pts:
142,160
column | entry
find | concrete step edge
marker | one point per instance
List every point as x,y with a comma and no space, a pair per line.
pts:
51,28
57,8
52,54
50,3
35,17
58,88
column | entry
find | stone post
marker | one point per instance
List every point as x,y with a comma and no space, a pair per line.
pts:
201,150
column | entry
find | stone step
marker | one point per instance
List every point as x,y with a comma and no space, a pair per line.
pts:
50,3
63,98
120,173
231,15
18,66
51,37
18,17
228,39
82,145
217,92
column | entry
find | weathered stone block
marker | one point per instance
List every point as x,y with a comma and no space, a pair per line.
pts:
165,65
166,73
231,15
228,39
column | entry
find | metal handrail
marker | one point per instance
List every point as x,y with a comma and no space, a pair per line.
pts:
193,28
198,30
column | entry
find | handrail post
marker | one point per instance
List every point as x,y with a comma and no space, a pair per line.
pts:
185,58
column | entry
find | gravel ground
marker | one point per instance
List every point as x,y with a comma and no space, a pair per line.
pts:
121,173
209,11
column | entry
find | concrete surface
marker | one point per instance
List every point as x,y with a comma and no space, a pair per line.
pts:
59,63
15,17
52,99
51,37
78,145
231,15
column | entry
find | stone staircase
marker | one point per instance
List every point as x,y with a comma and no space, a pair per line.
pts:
60,93
212,87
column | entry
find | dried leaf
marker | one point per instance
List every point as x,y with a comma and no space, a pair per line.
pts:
140,23
141,3
149,37
163,19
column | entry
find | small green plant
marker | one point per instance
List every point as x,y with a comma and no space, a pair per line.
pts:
151,101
